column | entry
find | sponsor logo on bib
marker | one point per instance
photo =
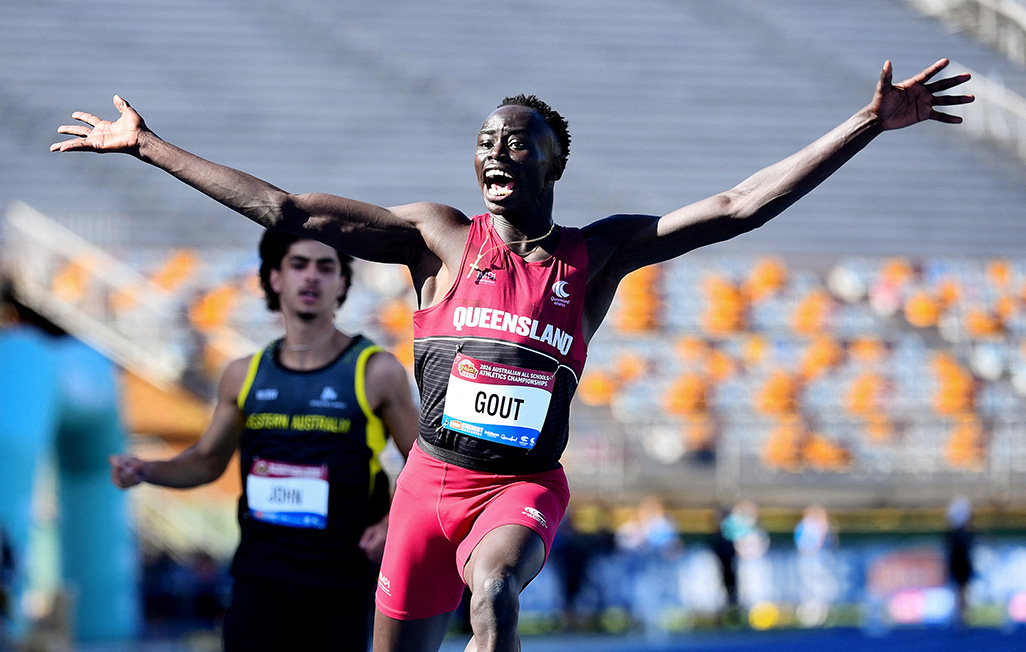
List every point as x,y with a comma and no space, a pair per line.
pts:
467,369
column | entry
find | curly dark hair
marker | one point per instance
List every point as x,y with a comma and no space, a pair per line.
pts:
556,122
273,247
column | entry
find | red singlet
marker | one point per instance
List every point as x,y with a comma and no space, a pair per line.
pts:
497,362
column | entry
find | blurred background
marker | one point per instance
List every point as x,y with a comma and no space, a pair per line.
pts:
810,409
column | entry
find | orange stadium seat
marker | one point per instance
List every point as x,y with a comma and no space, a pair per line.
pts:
983,324
864,394
999,274
949,293
867,350
965,448
628,367
699,433
123,299
822,354
697,354
176,270
639,305
403,351
719,366
922,310
396,318
726,308
596,388
211,310
824,454
692,350
687,394
70,283
754,350
955,387
783,447
768,277
897,271
778,393
878,428
811,314
1007,308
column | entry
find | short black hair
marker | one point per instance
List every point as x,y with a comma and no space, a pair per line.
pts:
273,246
556,122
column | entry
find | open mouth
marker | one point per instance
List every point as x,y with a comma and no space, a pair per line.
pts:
498,184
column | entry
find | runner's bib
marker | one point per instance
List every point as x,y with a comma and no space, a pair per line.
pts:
497,402
292,495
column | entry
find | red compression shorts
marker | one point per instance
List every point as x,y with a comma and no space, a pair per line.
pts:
440,512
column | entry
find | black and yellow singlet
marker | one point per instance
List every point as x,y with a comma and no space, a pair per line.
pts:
311,477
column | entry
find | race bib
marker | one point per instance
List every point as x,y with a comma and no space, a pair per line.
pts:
497,402
292,495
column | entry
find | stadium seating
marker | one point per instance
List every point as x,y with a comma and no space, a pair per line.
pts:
791,368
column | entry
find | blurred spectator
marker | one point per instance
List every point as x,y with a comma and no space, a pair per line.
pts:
726,554
959,553
6,581
213,589
184,595
573,551
742,527
196,376
651,531
814,538
168,591
751,542
652,543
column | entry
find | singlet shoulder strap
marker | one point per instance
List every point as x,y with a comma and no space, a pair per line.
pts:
247,384
377,435
361,379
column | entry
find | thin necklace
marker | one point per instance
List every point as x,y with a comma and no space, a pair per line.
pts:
481,250
307,347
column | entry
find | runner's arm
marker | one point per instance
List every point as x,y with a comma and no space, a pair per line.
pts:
621,244
204,461
390,396
764,195
367,231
